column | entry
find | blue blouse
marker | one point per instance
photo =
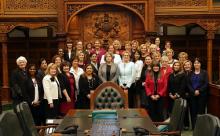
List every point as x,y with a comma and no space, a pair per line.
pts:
195,81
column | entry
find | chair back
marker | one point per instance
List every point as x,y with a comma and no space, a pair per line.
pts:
109,96
206,125
10,125
25,117
177,115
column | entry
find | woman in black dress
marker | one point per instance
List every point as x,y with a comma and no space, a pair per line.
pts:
176,84
35,94
87,82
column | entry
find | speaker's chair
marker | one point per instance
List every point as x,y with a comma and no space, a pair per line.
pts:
109,96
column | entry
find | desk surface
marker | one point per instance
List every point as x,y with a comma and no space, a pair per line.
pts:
128,118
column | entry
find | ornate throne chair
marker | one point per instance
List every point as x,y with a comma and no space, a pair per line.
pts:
109,96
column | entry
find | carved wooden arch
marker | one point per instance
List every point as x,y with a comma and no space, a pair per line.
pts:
31,26
87,6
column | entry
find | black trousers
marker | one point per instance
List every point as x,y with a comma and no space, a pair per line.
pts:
51,113
197,106
131,96
156,109
38,114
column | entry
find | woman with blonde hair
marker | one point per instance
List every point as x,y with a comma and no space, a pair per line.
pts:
117,46
52,91
127,76
182,56
176,84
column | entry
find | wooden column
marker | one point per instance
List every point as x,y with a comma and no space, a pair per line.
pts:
61,34
210,37
5,87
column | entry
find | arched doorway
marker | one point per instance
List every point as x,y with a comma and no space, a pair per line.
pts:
119,22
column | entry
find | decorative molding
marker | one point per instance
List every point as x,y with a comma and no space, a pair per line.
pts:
72,8
5,28
139,7
209,24
180,3
30,5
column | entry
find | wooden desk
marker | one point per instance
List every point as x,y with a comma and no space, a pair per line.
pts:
214,100
128,118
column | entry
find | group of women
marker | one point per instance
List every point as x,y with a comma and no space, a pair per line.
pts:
153,78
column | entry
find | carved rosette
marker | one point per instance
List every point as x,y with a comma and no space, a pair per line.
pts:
180,3
139,7
72,8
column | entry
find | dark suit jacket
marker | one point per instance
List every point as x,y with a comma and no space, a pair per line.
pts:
176,84
66,56
84,90
66,84
31,90
94,68
17,84
203,88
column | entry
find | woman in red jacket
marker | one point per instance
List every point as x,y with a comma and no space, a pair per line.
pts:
155,87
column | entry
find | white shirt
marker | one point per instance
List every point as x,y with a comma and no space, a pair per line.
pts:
117,59
50,89
172,62
138,68
36,91
76,74
126,74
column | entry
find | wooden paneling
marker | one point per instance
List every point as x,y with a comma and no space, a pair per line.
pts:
33,49
83,27
138,32
1,76
214,100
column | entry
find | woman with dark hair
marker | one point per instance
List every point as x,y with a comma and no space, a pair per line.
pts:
176,84
42,69
68,82
87,83
155,87
136,86
35,94
69,53
57,59
198,89
94,62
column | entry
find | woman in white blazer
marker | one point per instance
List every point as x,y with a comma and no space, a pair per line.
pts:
52,91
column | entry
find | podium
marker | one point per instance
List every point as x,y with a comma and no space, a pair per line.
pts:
214,99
